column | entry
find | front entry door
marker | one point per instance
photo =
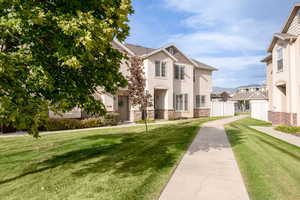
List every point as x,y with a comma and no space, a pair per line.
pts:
123,107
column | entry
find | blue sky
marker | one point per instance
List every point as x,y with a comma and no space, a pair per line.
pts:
231,35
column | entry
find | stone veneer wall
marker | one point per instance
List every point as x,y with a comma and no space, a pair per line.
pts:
137,115
201,112
282,118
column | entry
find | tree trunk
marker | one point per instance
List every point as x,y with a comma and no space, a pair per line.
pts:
145,118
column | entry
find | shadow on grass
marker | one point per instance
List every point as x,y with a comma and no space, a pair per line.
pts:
122,154
235,135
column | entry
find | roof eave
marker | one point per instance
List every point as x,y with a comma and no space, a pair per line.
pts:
191,61
290,18
267,58
157,51
124,47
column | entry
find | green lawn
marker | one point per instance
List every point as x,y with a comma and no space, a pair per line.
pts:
123,163
270,167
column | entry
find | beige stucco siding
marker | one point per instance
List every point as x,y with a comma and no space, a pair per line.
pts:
279,102
162,83
186,87
269,83
203,85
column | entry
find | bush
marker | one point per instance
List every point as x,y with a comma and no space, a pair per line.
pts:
92,122
111,119
288,129
61,124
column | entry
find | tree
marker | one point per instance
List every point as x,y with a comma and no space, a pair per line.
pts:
137,87
56,54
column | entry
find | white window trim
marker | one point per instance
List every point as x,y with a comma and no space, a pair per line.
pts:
180,67
160,69
185,102
279,58
200,104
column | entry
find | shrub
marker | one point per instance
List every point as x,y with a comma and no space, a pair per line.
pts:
288,129
110,119
92,122
62,124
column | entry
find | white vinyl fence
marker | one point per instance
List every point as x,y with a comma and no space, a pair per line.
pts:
220,109
259,109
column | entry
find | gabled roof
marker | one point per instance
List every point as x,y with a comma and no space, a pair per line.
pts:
204,66
139,50
267,58
122,46
180,52
281,36
257,95
292,15
160,50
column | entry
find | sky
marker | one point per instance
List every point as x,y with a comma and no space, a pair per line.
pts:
231,35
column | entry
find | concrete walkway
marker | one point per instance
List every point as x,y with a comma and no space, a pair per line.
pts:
295,140
208,171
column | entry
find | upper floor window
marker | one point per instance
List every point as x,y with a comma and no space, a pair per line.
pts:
160,69
280,60
171,50
179,72
194,75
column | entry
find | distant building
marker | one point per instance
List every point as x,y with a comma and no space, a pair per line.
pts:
245,94
220,97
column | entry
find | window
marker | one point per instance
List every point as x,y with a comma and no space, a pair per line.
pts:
163,69
181,102
194,75
279,60
179,72
200,101
160,69
197,101
203,101
186,101
157,68
182,72
171,50
176,71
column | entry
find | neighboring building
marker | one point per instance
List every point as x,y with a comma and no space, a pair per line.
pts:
220,97
180,87
251,88
245,94
283,72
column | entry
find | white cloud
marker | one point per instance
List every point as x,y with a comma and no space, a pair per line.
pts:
232,63
226,35
221,25
214,42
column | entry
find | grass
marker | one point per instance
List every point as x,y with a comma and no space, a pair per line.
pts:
242,113
106,164
270,167
288,129
149,121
